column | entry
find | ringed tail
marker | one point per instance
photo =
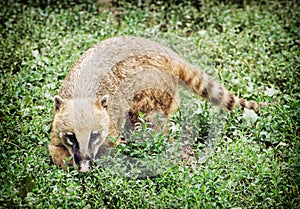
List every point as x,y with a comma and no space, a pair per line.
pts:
205,86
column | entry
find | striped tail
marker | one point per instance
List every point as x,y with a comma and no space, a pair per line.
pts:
205,86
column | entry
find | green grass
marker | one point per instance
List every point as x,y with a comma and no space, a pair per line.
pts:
252,47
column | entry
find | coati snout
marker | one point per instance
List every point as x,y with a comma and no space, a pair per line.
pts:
82,158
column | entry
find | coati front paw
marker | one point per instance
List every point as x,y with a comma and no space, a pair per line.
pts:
61,156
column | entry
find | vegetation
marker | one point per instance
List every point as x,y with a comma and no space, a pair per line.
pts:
241,160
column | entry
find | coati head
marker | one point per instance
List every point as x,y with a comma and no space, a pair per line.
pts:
82,126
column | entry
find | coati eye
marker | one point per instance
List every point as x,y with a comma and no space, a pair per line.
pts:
70,138
94,136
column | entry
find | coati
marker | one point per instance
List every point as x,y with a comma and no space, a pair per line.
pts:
111,83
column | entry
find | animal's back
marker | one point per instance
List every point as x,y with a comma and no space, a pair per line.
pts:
87,75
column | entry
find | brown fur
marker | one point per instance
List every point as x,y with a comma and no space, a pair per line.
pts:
137,75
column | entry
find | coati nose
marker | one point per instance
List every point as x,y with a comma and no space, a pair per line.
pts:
85,166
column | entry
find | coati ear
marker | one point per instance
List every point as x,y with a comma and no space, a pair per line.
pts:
103,101
58,102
